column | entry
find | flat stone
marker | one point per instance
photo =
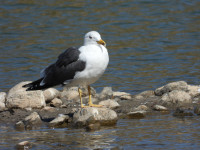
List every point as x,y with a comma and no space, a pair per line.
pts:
89,115
136,115
179,85
112,104
159,108
61,119
18,97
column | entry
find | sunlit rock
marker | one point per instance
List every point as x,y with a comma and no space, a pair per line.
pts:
91,115
112,104
61,119
159,108
50,94
56,102
179,85
18,97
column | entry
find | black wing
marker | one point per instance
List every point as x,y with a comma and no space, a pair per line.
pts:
64,69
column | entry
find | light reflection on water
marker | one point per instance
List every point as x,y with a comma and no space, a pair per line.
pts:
150,43
156,132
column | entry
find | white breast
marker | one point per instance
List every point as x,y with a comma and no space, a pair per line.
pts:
96,58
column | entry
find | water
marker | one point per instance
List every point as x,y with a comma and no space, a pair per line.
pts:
150,42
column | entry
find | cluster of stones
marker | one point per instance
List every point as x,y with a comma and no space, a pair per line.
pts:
56,108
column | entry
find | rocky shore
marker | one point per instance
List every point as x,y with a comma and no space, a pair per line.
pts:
32,109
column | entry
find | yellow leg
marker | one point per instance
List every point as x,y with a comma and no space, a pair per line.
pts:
90,99
80,95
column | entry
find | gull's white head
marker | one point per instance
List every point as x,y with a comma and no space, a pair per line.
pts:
93,37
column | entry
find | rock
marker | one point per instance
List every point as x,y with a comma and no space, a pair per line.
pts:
56,102
136,115
2,106
33,118
93,127
159,108
85,91
2,97
112,104
106,93
182,113
119,94
61,119
48,108
50,94
193,90
197,110
142,108
19,125
176,96
91,115
179,85
18,97
145,94
126,97
69,94
24,145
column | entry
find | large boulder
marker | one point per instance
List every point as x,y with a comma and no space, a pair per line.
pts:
18,97
91,115
179,85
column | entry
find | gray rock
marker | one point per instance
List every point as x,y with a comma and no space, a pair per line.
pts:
2,97
193,90
25,145
61,119
159,108
2,106
136,115
50,94
177,97
56,102
106,93
112,104
69,94
91,115
145,94
49,109
179,85
18,97
33,118
141,108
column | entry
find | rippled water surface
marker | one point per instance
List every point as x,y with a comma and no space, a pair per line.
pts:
150,42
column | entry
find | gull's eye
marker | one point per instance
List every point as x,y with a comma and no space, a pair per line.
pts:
90,37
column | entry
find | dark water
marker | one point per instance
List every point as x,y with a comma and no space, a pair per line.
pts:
150,42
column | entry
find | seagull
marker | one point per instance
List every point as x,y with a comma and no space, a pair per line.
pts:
76,67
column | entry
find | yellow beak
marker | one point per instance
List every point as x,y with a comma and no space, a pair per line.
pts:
101,42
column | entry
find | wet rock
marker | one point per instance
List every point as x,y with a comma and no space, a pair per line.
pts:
180,112
179,85
93,127
89,115
193,90
24,145
50,94
56,102
159,108
136,115
112,104
60,120
32,119
18,97
197,110
177,97
69,94
19,125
